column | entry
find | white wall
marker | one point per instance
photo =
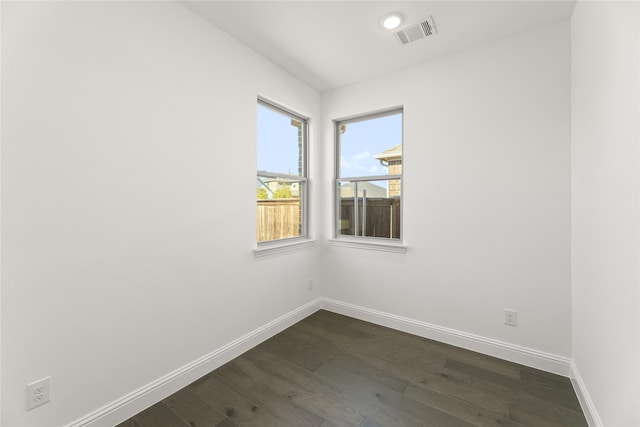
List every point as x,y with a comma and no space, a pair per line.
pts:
0,220
128,148
486,193
605,207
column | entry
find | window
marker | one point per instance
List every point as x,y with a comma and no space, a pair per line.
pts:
281,188
369,176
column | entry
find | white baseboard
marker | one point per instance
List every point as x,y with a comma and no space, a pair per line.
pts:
589,409
131,404
513,353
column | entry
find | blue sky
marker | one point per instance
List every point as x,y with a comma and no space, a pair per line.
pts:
363,140
278,141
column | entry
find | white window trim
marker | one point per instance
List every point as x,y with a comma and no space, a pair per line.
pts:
365,242
368,243
283,246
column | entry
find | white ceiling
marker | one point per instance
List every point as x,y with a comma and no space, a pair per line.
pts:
330,44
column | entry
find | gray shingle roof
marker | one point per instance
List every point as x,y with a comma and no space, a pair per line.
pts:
373,190
394,152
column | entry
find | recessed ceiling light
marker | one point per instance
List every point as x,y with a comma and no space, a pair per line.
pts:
391,21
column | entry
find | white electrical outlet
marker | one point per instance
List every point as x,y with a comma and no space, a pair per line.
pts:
510,317
310,284
38,392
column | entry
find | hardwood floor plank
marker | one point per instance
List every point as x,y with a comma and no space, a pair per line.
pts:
320,398
394,403
364,345
544,414
362,368
536,375
389,340
335,320
129,423
433,376
226,423
193,410
299,347
563,396
372,423
159,415
483,361
470,390
332,370
253,383
338,331
460,408
240,410
346,406
411,365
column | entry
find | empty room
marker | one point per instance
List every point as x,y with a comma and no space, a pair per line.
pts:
322,213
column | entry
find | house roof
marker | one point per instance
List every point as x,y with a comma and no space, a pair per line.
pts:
373,190
394,152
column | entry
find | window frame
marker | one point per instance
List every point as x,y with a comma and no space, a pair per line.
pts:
366,242
276,246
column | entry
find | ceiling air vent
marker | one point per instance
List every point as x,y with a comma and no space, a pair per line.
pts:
418,31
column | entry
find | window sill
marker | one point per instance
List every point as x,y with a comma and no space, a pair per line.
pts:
275,248
369,245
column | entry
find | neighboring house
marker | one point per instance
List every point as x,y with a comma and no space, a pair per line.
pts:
392,159
272,185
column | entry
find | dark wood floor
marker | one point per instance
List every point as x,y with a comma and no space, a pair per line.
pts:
332,370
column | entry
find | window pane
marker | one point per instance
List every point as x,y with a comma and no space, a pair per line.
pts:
280,142
281,178
367,146
369,175
370,208
279,211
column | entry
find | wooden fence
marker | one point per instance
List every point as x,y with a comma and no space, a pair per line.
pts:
382,217
278,219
